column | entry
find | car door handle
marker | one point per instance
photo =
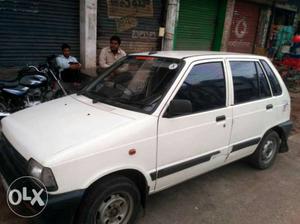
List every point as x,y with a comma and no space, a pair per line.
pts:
269,106
220,118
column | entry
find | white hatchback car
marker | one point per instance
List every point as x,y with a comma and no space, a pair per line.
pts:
150,121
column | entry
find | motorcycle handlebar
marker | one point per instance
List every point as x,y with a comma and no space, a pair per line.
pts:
34,67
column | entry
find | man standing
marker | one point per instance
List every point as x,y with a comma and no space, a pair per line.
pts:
68,66
112,53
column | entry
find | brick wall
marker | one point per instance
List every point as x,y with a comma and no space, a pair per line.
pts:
227,24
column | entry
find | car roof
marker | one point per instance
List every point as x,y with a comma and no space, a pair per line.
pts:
187,54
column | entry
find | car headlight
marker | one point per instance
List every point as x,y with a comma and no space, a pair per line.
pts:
44,174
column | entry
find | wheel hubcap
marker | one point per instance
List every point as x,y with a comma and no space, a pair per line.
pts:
269,150
115,209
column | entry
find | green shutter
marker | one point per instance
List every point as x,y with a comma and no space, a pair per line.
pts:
220,25
196,25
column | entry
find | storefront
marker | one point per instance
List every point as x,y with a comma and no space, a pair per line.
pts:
31,30
261,27
282,30
135,22
200,25
244,27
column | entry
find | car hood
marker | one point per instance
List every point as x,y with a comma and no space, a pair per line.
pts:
43,131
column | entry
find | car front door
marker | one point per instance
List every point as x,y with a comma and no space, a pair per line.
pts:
192,143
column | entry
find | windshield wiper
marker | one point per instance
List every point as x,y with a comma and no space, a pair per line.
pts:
81,92
94,96
125,101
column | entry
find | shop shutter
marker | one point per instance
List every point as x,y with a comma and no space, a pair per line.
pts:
196,25
33,29
243,27
135,22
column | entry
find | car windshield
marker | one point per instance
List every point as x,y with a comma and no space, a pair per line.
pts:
135,82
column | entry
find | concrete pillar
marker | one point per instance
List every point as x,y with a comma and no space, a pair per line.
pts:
88,33
227,24
172,14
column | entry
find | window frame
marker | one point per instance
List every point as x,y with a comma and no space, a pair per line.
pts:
274,73
183,78
266,76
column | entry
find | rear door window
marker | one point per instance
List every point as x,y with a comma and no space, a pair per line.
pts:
245,81
249,81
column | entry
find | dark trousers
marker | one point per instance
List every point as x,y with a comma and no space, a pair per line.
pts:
70,75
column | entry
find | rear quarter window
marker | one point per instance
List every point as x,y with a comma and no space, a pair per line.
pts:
275,86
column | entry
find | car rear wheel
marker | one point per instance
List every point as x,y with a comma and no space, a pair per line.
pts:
266,152
113,201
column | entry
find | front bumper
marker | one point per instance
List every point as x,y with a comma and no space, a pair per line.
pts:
61,208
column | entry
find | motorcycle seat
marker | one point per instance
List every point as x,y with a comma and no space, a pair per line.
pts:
8,84
17,91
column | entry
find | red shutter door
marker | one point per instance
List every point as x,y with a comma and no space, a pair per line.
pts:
243,27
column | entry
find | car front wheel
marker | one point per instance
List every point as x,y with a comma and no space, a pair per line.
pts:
115,200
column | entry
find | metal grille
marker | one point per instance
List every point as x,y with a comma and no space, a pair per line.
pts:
196,26
12,164
33,29
243,27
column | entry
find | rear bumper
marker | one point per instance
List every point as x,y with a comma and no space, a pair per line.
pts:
285,131
286,127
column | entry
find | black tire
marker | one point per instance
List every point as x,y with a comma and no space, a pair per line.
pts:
115,197
266,152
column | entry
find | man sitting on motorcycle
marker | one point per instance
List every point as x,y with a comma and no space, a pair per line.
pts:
68,65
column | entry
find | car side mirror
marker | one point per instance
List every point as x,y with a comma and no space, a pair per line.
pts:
178,107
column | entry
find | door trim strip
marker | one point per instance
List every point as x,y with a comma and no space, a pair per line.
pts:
182,166
245,144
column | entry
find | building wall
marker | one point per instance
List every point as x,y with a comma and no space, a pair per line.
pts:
137,26
227,24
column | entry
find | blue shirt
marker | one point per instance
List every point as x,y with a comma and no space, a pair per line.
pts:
63,62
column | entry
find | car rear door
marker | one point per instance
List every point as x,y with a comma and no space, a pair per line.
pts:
252,103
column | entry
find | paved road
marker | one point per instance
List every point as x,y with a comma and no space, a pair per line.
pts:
235,194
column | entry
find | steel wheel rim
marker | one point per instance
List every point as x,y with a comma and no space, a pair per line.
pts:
115,209
269,150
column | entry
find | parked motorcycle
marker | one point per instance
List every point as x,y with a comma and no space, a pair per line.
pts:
33,86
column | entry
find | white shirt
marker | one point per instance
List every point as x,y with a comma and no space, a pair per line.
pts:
63,62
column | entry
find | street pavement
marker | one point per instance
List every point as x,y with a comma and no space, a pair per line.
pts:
234,194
